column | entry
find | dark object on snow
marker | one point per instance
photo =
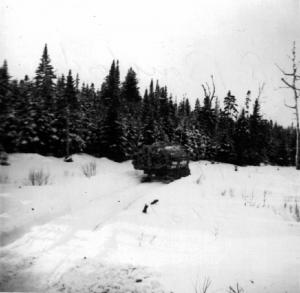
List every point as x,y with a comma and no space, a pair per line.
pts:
145,209
138,280
236,168
68,159
3,158
155,201
162,162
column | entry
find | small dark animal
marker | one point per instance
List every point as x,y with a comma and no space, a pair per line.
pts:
155,201
145,209
139,280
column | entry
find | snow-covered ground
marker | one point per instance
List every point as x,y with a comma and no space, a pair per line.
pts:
79,234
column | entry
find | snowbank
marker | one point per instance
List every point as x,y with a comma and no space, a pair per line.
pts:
83,234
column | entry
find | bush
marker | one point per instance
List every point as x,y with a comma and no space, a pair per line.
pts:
3,159
38,177
89,169
164,162
297,212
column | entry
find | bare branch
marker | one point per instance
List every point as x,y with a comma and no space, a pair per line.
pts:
289,85
209,92
283,72
204,89
208,89
214,87
288,106
260,89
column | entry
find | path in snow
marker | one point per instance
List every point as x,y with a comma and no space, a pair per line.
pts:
217,223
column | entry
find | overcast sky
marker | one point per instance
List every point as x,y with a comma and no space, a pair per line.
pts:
181,43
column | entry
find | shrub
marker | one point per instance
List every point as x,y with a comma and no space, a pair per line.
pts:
236,289
38,177
68,159
89,169
205,285
3,159
297,212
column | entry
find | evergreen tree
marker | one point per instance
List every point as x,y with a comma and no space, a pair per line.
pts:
148,117
130,95
247,103
230,106
207,118
61,118
4,81
242,139
26,109
131,116
256,135
6,106
69,97
112,132
44,105
196,113
44,80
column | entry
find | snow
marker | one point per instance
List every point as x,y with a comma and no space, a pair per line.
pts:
80,234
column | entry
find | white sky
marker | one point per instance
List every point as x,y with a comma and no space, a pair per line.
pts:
181,43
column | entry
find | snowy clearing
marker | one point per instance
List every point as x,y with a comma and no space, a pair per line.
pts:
80,234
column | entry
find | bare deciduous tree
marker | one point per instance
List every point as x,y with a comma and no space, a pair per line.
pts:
209,92
290,81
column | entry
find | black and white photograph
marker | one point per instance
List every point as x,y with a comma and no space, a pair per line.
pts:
150,146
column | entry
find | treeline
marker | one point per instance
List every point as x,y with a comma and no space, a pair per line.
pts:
57,115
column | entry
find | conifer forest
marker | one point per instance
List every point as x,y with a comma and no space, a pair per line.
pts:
62,115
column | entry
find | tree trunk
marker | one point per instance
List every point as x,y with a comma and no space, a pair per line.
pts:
296,97
297,159
295,107
68,133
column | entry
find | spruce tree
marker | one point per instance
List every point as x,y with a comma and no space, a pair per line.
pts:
247,103
230,106
242,139
207,118
74,141
256,134
148,117
130,95
131,113
25,109
44,80
112,132
44,104
5,105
